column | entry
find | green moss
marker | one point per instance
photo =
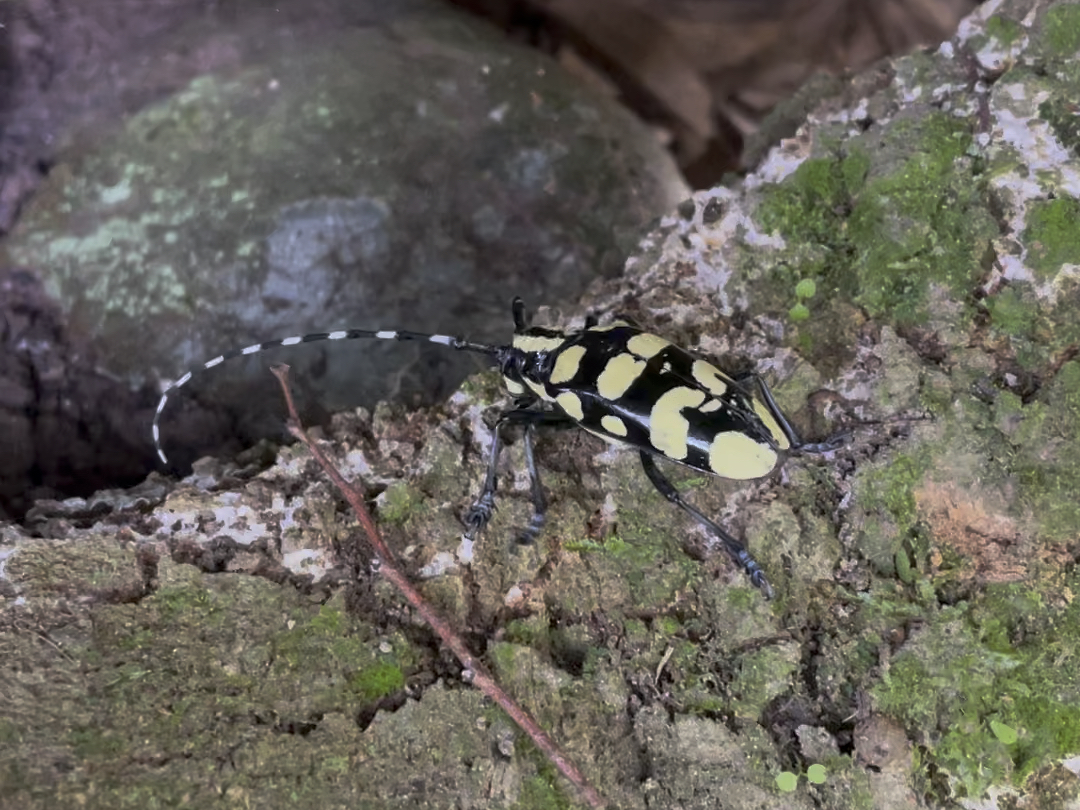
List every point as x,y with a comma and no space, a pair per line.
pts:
1003,29
1064,122
1045,457
805,203
193,688
667,626
718,676
880,235
1011,313
1008,611
57,568
326,634
96,743
891,487
531,631
486,388
378,680
10,734
654,578
740,600
979,667
584,546
334,766
504,657
693,482
643,564
136,640
1052,235
177,602
924,222
761,676
542,793
1061,27
808,210
399,502
328,622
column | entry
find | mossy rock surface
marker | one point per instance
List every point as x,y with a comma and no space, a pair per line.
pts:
224,639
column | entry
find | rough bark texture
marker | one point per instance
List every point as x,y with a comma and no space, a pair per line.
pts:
219,639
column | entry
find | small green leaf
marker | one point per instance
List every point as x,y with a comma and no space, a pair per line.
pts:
583,546
1007,734
816,774
787,781
903,567
805,289
799,312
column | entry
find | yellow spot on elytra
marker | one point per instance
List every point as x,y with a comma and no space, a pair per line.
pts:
570,403
711,378
646,345
768,418
735,455
567,364
618,375
613,424
668,428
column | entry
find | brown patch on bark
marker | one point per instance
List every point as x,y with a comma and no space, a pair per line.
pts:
991,542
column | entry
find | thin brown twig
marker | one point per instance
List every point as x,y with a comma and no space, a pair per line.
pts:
389,568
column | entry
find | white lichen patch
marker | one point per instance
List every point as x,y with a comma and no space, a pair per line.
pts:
721,227
258,516
1017,125
991,53
442,563
212,515
782,160
308,561
473,415
465,550
1033,166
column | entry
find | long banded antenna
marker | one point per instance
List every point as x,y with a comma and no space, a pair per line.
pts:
456,343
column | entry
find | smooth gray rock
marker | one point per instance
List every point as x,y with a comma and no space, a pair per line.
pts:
381,165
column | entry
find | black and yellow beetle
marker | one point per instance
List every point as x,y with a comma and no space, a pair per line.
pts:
623,384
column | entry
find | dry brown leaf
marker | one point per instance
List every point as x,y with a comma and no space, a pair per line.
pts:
640,45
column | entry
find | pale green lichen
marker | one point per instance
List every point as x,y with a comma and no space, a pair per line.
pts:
1051,235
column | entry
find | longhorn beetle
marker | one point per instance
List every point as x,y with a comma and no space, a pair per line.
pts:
623,384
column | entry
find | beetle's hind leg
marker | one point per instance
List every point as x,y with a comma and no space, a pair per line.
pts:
479,514
798,446
734,548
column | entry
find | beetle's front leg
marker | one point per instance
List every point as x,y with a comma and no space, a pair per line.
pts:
480,513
